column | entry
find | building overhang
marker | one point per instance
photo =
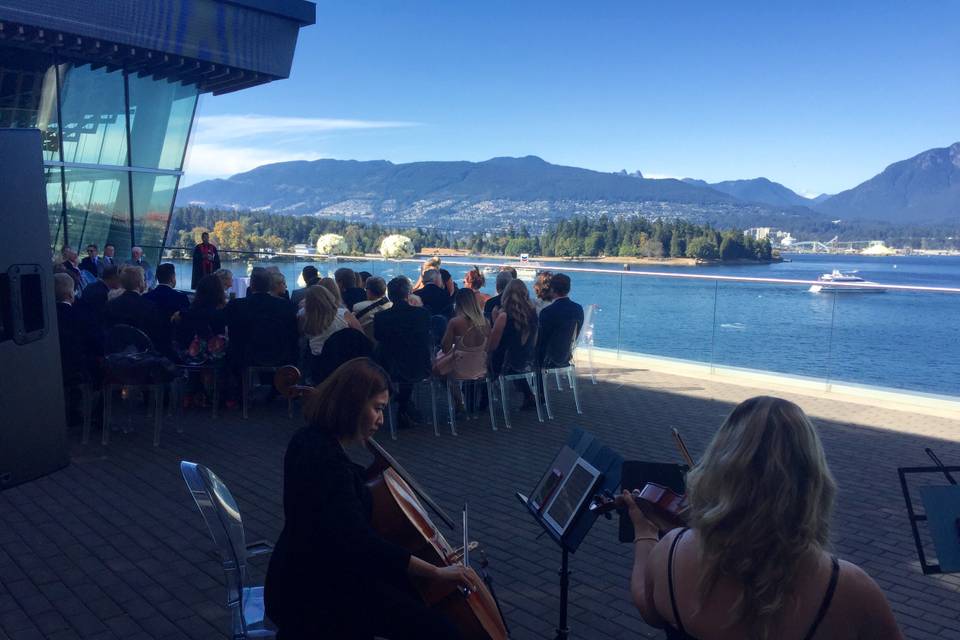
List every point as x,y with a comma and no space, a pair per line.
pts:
218,45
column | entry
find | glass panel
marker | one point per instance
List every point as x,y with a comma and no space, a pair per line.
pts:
94,116
28,95
98,209
152,199
670,317
160,115
55,206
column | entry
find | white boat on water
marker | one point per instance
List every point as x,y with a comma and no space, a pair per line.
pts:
526,270
847,284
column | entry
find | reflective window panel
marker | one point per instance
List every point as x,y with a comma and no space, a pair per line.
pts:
160,114
28,95
55,206
94,121
152,199
98,209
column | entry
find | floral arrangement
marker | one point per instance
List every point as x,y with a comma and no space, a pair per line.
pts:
331,244
206,350
396,246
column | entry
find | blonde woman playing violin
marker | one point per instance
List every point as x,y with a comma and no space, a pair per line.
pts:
753,563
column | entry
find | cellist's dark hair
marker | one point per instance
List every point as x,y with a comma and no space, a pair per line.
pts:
336,406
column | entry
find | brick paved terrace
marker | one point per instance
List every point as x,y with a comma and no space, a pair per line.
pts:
113,546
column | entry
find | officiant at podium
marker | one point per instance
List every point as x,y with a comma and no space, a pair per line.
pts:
206,260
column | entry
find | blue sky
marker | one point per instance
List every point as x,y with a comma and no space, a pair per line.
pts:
815,96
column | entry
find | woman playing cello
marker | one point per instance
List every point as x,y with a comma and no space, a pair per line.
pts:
753,563
331,575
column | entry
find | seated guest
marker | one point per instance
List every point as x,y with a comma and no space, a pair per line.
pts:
505,277
514,337
362,277
81,341
165,294
560,324
403,343
434,296
476,280
69,266
753,562
94,299
541,291
428,264
91,263
206,316
278,285
226,281
465,341
331,575
262,327
320,318
448,284
132,308
376,301
310,277
350,293
331,285
137,260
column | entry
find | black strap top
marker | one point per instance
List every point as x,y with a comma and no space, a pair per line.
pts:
679,633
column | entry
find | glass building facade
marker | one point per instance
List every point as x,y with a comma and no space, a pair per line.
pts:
113,146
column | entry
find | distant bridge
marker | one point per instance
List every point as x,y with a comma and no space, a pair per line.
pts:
830,246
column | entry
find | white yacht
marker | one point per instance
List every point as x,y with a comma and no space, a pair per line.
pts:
828,284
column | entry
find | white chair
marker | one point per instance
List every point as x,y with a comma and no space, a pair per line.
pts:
433,405
220,513
552,360
585,341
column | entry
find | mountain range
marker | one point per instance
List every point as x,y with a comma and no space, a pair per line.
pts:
476,196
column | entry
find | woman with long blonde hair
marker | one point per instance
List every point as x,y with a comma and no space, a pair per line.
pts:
321,317
514,336
754,561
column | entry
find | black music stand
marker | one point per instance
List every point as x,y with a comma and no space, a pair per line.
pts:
559,503
942,513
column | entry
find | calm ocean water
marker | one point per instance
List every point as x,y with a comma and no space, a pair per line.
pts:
903,340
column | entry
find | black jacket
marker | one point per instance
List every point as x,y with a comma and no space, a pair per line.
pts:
403,341
328,555
436,300
263,330
81,344
352,296
94,299
135,310
168,300
91,265
560,323
489,306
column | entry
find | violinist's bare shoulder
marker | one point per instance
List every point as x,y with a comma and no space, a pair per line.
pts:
859,600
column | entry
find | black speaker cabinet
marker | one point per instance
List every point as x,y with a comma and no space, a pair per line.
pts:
33,434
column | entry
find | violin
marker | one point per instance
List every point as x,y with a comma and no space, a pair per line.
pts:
663,506
399,516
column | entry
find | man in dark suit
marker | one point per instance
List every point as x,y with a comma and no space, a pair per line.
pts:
168,301
403,343
350,293
93,302
81,341
503,279
262,327
560,325
92,263
133,309
310,277
434,295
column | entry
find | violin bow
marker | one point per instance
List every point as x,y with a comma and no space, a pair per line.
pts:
421,493
940,465
683,448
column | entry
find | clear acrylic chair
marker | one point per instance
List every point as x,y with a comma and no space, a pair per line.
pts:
473,383
249,377
120,339
585,341
531,377
432,382
560,361
222,517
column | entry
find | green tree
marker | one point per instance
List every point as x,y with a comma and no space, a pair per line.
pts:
703,248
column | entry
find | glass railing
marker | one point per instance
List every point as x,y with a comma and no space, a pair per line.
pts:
906,338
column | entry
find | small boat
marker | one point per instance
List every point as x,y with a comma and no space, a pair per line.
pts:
839,282
525,270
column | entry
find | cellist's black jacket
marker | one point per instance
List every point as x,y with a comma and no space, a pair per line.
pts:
328,557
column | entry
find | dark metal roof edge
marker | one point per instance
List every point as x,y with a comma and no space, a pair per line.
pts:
300,10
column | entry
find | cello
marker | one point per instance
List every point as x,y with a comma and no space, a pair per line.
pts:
399,515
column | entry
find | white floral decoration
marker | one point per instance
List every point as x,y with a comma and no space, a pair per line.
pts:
331,244
396,246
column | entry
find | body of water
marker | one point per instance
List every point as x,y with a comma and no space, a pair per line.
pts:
902,340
